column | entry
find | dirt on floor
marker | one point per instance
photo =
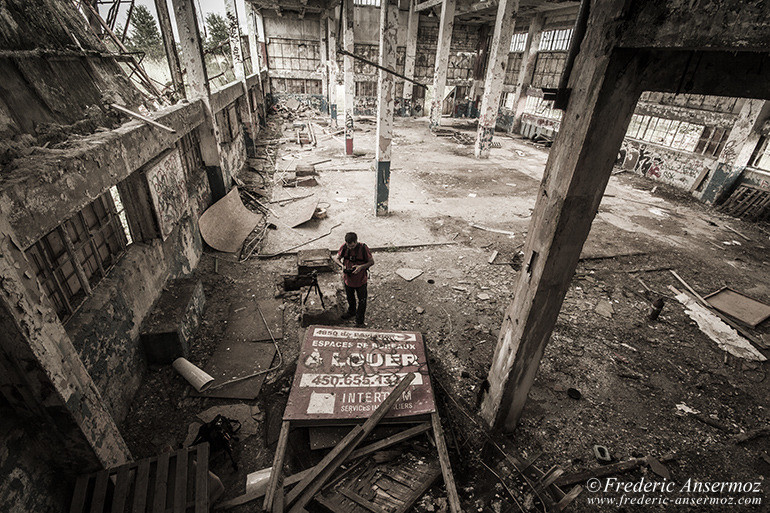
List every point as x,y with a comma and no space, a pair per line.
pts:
646,388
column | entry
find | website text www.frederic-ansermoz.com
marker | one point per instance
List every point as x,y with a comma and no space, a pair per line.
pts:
644,492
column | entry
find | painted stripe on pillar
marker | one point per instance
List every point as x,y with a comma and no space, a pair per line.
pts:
382,189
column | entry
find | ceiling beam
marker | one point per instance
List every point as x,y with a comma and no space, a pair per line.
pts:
424,6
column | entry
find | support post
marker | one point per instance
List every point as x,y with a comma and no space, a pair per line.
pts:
332,33
198,83
507,10
605,85
174,65
239,65
527,70
323,51
446,25
256,61
385,103
350,83
411,53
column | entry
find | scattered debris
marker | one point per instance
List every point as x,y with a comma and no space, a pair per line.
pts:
493,230
420,310
725,337
602,454
735,304
656,464
408,274
484,296
604,308
492,257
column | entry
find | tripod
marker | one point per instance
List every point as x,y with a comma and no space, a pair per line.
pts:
314,286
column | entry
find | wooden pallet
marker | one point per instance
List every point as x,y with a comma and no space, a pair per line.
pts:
173,482
388,486
748,201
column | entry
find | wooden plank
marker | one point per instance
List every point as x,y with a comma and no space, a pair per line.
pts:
737,305
361,501
100,492
140,490
423,6
446,467
79,496
364,451
332,461
419,492
280,453
122,486
161,480
180,484
202,479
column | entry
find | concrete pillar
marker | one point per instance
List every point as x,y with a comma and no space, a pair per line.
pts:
239,65
332,34
42,374
251,24
350,82
507,10
174,65
605,87
323,51
527,69
198,84
411,52
385,102
442,60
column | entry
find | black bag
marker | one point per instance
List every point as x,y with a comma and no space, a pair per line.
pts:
220,434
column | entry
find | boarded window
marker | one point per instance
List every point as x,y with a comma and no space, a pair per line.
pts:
366,88
74,257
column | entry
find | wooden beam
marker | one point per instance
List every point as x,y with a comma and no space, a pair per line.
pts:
424,6
446,467
308,487
605,87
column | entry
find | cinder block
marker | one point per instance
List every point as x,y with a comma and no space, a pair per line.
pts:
174,319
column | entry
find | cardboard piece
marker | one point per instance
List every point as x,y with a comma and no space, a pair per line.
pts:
226,224
735,304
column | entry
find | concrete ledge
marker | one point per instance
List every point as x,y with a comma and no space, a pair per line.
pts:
50,185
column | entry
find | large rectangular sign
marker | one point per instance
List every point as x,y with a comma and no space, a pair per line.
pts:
344,374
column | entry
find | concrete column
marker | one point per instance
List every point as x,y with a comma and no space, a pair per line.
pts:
442,60
198,83
239,65
350,82
323,51
411,52
251,24
507,10
527,70
385,103
42,374
332,32
605,87
174,65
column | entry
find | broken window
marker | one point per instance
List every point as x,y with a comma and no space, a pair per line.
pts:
75,256
761,157
371,3
293,54
512,69
680,135
712,141
366,89
518,42
555,40
542,108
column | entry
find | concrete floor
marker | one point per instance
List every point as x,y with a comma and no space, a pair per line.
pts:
632,373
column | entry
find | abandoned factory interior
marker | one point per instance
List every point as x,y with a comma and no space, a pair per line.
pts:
384,256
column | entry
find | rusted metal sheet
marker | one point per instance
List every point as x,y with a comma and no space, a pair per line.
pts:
343,374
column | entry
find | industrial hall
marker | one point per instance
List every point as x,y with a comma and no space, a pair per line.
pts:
384,256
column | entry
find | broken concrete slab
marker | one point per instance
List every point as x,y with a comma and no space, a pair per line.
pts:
408,274
604,308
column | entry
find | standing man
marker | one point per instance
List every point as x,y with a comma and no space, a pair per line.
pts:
355,259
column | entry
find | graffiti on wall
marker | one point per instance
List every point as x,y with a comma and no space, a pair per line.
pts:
669,166
541,122
168,190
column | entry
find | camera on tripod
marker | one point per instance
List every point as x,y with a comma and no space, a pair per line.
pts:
347,271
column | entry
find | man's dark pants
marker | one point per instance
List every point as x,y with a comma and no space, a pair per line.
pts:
360,310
